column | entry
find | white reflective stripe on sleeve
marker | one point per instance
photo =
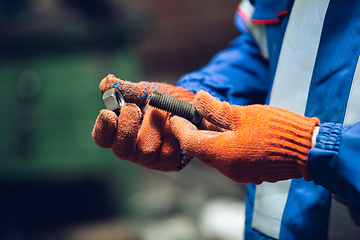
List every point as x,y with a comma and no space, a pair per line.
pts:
290,91
344,223
258,31
298,55
270,200
246,8
352,114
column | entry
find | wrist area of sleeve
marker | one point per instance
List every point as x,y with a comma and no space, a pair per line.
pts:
329,136
322,159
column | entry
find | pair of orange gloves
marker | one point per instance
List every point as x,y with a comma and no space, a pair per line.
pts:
248,144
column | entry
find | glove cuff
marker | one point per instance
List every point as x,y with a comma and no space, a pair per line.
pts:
289,141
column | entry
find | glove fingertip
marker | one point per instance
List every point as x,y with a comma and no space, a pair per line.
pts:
104,128
205,103
178,125
184,131
107,82
125,138
213,110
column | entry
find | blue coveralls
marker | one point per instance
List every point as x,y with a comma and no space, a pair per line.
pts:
264,65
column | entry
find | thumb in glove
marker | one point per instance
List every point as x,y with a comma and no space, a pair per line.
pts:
261,143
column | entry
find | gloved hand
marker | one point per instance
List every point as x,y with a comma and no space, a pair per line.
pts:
263,143
141,134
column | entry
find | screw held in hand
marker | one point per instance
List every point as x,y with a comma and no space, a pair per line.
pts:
175,106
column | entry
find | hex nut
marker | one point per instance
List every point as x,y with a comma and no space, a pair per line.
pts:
113,99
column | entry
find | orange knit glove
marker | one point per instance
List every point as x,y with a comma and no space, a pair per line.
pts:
141,134
262,143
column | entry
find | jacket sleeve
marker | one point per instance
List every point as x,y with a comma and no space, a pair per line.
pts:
238,75
335,161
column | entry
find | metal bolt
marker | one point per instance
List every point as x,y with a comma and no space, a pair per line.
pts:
176,106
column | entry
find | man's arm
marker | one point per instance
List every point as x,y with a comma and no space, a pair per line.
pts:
238,75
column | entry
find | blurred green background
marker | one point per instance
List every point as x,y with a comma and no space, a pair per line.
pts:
52,102
49,104
53,177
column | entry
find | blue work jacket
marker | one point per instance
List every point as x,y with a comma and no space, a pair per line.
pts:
312,48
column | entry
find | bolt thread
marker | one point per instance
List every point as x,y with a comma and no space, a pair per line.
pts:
175,106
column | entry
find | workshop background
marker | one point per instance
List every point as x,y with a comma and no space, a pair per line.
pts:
55,183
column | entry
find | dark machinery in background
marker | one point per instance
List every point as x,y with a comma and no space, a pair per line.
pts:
52,56
62,26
